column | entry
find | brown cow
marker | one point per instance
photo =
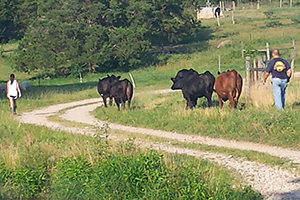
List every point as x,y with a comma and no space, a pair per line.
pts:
228,86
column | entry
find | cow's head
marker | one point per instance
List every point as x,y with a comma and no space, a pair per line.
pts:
114,79
177,83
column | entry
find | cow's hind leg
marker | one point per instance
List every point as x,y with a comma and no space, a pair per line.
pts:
208,97
220,102
104,100
118,105
110,100
128,103
123,105
236,97
231,102
190,103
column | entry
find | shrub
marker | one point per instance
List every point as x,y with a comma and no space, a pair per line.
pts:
273,23
144,176
22,183
269,14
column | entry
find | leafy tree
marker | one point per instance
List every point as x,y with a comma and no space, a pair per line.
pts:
113,34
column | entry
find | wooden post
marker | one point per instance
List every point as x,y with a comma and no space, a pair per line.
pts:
268,51
233,5
232,17
242,44
223,6
247,75
293,56
291,3
219,64
280,3
252,73
257,4
259,75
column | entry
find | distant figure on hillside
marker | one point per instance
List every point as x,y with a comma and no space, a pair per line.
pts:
281,73
217,12
13,92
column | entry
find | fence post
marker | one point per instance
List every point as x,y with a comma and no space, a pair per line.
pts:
257,4
232,17
293,57
219,64
233,5
268,51
247,75
223,6
242,44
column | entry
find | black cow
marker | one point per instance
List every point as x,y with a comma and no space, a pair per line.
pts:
122,91
104,87
194,86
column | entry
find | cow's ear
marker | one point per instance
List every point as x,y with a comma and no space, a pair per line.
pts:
219,72
173,79
118,77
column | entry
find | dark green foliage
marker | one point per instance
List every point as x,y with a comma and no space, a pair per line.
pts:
273,23
269,14
22,183
114,35
145,176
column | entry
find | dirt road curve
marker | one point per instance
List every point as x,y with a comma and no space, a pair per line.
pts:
272,182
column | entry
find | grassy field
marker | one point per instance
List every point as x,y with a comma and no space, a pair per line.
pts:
58,161
255,120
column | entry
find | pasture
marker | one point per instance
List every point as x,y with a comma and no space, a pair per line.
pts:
59,158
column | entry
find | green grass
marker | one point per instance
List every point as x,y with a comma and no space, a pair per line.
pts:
167,112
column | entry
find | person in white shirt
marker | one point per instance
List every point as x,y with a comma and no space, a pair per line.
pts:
13,92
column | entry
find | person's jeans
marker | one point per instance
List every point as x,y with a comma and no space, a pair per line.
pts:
279,86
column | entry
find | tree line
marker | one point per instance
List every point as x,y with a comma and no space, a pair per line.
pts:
102,35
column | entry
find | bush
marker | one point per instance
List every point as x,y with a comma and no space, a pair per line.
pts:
269,14
144,176
22,183
273,23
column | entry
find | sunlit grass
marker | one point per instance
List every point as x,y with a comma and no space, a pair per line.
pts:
258,122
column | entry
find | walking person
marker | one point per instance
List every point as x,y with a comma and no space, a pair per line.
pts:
13,92
281,73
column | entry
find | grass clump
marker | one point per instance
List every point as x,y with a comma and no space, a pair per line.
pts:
148,175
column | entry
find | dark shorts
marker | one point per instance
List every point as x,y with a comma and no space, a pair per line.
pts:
13,97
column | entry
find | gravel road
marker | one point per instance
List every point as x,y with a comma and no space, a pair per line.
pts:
272,182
